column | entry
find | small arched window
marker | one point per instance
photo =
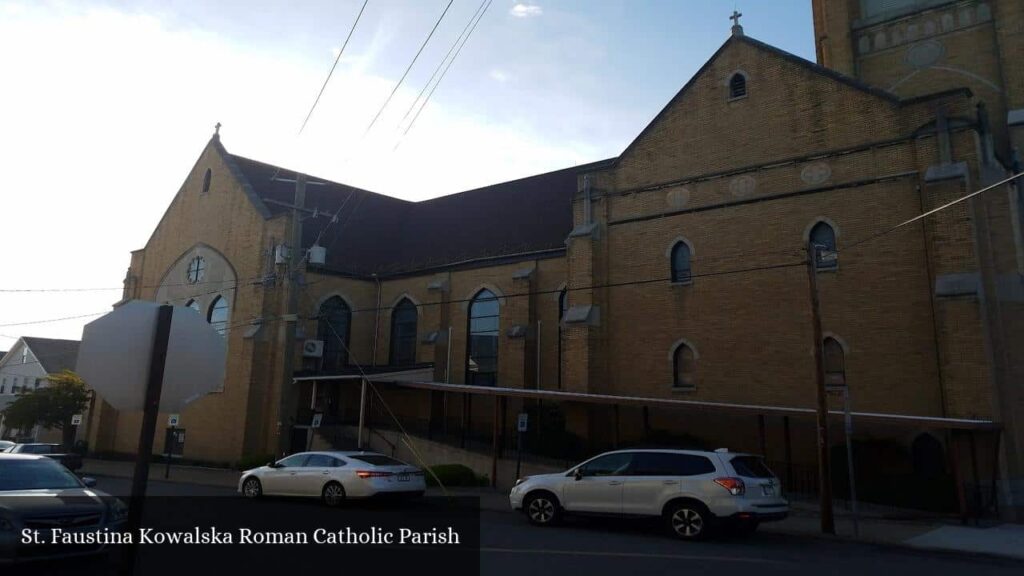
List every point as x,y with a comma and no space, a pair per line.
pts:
403,333
217,316
333,328
193,304
206,180
737,86
684,367
681,262
835,362
823,236
482,344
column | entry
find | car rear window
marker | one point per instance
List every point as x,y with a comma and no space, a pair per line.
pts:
39,449
377,460
669,464
751,467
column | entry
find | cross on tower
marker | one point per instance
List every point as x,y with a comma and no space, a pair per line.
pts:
216,129
737,30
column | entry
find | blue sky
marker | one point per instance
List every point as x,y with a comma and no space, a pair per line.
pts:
107,105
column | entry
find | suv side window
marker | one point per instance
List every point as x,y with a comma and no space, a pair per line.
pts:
610,465
669,464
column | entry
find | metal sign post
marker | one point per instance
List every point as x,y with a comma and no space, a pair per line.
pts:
521,425
850,472
172,423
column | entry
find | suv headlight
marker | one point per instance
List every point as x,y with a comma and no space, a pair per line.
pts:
118,510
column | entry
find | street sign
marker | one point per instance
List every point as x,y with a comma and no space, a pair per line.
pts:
114,356
76,420
318,418
173,420
523,423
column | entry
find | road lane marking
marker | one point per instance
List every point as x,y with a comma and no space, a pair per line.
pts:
634,555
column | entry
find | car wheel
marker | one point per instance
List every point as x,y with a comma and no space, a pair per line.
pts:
688,520
542,509
333,494
252,488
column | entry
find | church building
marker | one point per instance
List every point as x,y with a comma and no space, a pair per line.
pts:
674,271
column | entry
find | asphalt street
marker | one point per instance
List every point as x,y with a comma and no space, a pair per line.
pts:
510,546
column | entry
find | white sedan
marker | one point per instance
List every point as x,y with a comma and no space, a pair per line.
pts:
333,477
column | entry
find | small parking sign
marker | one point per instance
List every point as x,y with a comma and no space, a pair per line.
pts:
173,420
524,420
317,419
76,420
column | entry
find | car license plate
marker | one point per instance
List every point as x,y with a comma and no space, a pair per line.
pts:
403,477
768,489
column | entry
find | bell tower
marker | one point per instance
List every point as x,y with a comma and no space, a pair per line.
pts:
917,47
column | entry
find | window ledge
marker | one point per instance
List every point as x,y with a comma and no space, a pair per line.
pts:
830,270
682,283
683,389
735,98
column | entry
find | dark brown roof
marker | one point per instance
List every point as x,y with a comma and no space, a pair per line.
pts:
53,355
378,234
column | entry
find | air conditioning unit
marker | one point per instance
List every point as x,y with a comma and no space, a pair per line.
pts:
281,254
313,349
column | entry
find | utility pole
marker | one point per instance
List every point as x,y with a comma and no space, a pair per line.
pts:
291,285
824,464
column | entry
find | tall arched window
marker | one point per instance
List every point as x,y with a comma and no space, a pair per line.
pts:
835,362
681,262
824,237
217,315
206,180
684,367
403,333
333,328
482,344
737,86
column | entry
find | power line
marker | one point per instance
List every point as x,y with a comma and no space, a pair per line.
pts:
335,65
438,83
443,60
932,211
402,79
53,319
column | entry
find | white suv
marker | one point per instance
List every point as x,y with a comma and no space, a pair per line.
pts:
691,490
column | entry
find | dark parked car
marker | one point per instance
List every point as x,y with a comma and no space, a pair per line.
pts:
73,462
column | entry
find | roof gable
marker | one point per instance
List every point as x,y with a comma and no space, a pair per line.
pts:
783,64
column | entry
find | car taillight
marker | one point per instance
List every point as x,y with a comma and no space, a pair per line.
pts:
735,486
373,474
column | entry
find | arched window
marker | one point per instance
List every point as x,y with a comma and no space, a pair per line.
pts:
835,362
482,344
823,236
193,304
684,367
333,328
681,262
206,180
403,333
737,86
217,316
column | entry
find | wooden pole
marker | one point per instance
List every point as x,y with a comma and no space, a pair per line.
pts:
788,446
494,444
762,435
362,414
824,464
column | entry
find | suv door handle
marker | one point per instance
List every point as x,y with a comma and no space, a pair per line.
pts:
615,482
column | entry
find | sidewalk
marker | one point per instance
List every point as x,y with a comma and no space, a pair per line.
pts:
923,533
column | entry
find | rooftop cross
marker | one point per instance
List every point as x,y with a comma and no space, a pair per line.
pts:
737,30
216,129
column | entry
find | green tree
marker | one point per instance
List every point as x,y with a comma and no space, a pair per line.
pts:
51,406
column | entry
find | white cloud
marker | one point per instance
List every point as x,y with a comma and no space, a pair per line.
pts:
499,75
521,10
